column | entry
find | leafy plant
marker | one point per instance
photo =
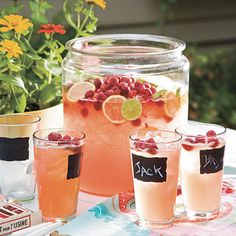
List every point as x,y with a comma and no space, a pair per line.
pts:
31,52
212,87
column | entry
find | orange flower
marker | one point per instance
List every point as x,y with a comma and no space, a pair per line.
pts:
100,3
14,22
11,48
51,28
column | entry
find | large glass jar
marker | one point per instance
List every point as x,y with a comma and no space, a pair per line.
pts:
113,85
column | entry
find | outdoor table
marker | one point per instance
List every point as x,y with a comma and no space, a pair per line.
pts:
89,222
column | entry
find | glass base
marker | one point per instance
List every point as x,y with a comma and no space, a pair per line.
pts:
193,214
154,224
61,220
19,196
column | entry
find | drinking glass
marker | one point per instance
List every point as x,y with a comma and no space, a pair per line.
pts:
17,182
201,168
155,164
58,160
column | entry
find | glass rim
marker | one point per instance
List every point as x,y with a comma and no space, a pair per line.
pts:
58,129
222,128
159,142
178,45
38,118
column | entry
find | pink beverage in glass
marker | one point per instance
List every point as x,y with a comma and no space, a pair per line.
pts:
155,164
202,168
58,160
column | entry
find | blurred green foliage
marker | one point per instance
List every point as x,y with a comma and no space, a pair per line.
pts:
212,94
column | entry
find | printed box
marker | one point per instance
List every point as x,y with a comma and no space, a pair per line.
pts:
14,217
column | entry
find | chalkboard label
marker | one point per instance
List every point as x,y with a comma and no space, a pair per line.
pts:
149,169
74,163
211,160
14,149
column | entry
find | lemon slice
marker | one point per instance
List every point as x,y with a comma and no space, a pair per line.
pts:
172,103
78,90
131,109
111,108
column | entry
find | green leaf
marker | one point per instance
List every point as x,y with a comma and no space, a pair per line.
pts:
69,14
14,67
38,9
159,93
53,67
40,69
3,62
13,80
12,9
177,93
47,94
17,98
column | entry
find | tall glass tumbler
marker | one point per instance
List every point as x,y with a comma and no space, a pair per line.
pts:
155,164
17,180
201,168
58,161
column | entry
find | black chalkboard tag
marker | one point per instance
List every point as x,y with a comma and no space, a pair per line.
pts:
74,163
149,169
14,149
211,160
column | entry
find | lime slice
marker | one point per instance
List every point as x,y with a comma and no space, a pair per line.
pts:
131,109
111,108
172,103
78,90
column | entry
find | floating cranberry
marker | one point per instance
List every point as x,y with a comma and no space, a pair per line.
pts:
179,191
132,93
67,137
200,139
116,92
147,85
109,92
151,144
97,83
140,144
61,141
146,92
125,90
101,96
136,122
229,190
75,141
160,102
131,86
97,105
89,94
153,90
138,85
82,102
115,88
104,87
188,147
127,80
213,142
113,81
210,133
121,84
54,136
84,111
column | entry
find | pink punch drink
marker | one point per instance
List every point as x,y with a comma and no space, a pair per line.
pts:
155,164
202,168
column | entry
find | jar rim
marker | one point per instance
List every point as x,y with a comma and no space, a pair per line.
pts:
77,45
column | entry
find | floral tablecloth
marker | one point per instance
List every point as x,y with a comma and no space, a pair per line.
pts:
116,216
